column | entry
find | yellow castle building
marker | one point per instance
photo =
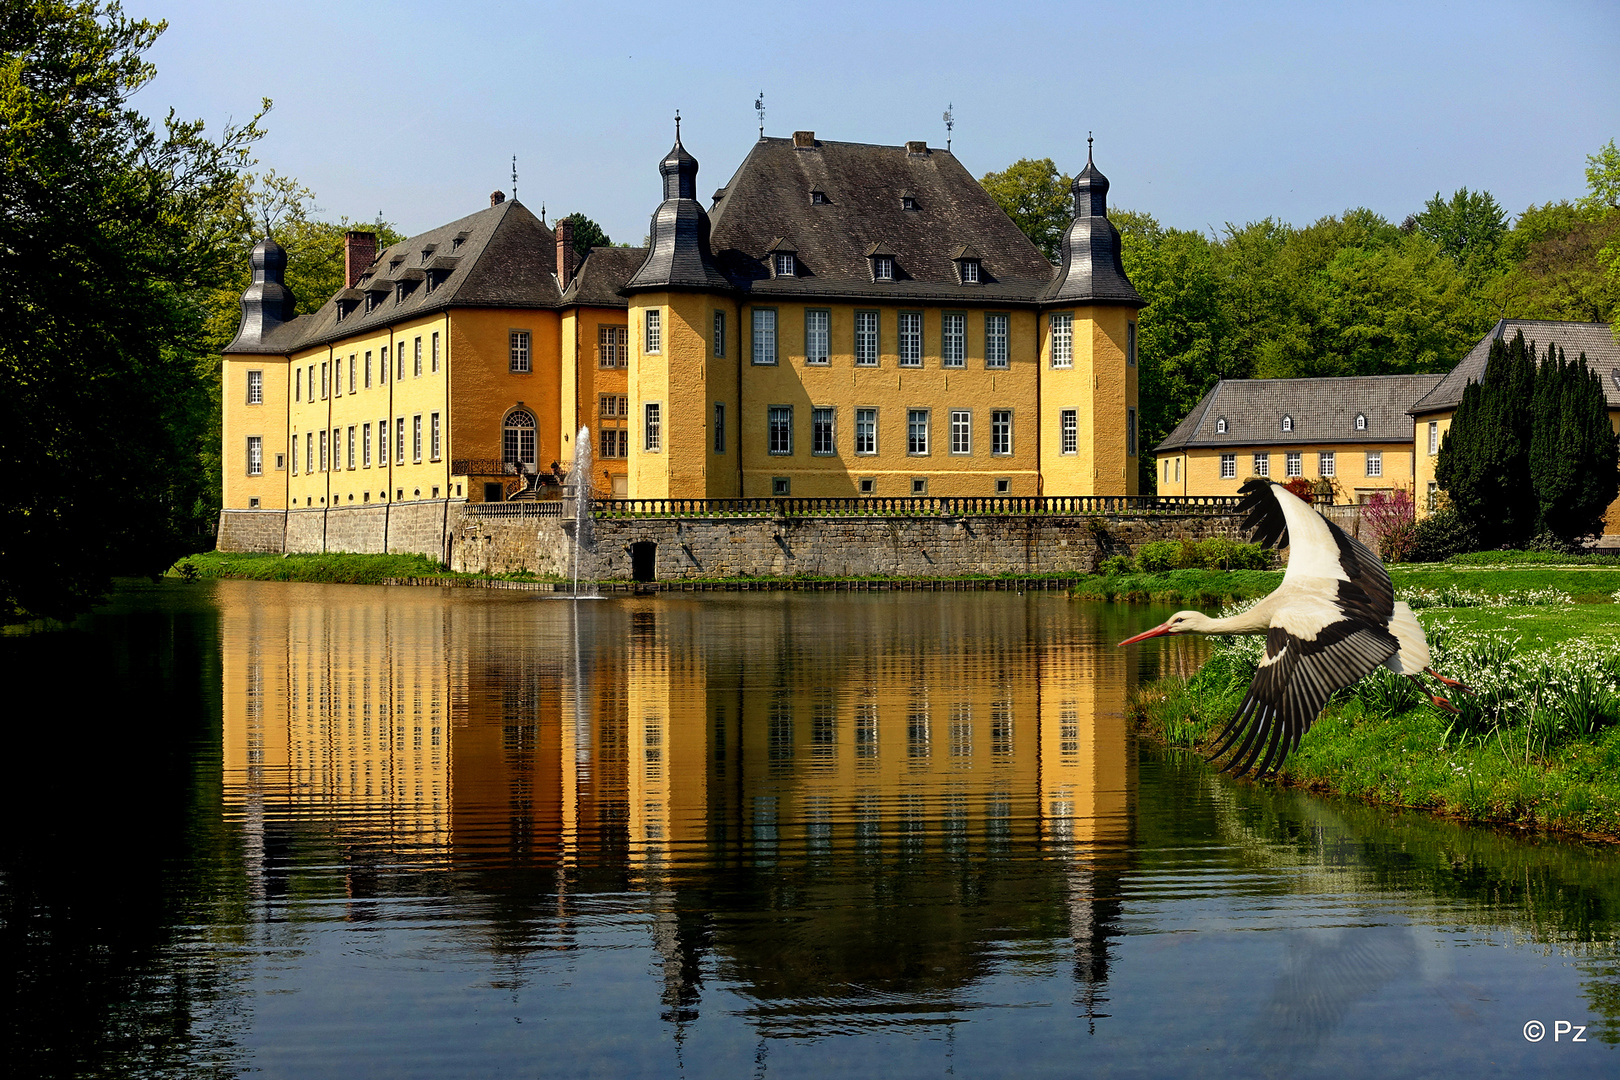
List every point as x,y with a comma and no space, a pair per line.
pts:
843,320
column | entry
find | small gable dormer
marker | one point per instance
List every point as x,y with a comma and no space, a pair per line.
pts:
880,262
1361,421
783,259
969,268
1220,425
1287,423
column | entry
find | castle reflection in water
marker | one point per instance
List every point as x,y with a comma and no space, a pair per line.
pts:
892,784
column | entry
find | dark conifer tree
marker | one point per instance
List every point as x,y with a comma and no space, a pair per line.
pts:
1575,461
1484,463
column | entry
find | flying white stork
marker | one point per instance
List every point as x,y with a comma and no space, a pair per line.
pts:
1333,619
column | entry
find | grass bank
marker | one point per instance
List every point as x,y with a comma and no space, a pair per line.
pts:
1537,745
330,569
1425,586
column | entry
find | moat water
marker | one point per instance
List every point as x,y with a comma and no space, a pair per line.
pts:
324,831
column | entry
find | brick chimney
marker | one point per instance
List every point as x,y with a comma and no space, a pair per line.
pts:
804,140
359,252
496,198
567,257
917,147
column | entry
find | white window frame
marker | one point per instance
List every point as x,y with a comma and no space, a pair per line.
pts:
337,449
1326,464
255,455
1229,466
817,336
883,268
785,264
323,450
399,441
823,437
350,445
868,338
1288,423
295,453
519,361
962,432
382,442
1062,330
779,430
434,443
416,439
1361,421
309,452
353,365
918,423
652,331
1001,432
435,352
866,431
1375,463
416,358
1220,425
762,323
953,339
719,333
1262,464
911,339
1434,437
970,271
995,341
365,445
652,427
1069,431
325,380
255,387
1294,464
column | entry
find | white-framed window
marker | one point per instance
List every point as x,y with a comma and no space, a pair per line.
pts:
255,455
435,352
784,264
1288,423
653,331
953,339
1062,340
1069,431
298,384
995,340
325,381
1130,432
519,353
1001,441
720,333
1325,463
917,432
353,365
1220,425
866,339
433,436
368,369
911,339
323,450
817,335
294,453
1228,466
1293,465
351,446
883,268
312,382
416,437
1361,421
652,427
399,440
1434,437
518,437
365,446
1434,496
607,406
719,427
399,355
866,431
337,449
823,421
382,441
1262,464
309,451
255,387
1375,463
961,431
764,335
779,429
416,358
1130,344
970,271
612,345
781,486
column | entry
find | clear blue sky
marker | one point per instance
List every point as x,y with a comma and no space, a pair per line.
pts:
1204,114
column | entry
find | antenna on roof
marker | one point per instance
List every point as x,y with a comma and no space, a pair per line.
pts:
379,221
950,122
514,178
759,107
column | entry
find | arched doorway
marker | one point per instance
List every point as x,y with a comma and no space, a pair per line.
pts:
517,440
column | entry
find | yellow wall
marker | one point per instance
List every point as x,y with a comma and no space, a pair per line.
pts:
584,381
239,421
1099,387
685,381
1200,469
484,389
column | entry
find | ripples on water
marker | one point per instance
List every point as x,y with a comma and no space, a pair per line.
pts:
334,831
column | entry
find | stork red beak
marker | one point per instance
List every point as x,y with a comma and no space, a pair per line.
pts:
1157,631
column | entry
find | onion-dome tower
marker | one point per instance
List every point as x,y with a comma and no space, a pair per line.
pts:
678,255
267,304
1091,271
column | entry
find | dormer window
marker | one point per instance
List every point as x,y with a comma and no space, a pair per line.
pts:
427,253
1361,421
1288,423
883,268
457,240
970,271
818,198
1220,425
393,264
908,202
786,264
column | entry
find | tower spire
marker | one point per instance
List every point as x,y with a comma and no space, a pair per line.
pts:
1088,148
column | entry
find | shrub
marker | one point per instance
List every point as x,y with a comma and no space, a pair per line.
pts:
1116,564
1302,488
1157,557
1440,536
1392,520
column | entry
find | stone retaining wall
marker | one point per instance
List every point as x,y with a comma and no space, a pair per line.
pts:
414,528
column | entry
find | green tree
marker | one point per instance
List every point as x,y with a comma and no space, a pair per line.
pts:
1484,462
587,233
114,233
1037,198
1603,178
1467,228
1574,460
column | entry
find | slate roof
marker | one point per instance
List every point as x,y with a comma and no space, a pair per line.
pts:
768,200
506,258
600,277
678,254
1596,340
1323,411
1091,269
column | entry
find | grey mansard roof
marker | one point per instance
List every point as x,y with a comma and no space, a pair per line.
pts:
1323,411
1596,340
767,207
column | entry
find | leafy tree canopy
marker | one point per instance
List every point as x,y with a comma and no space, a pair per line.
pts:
1037,198
587,233
1467,228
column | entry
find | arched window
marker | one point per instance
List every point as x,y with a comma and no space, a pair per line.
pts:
1361,421
1220,425
1288,423
517,442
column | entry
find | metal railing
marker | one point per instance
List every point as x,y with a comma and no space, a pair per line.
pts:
487,467
934,506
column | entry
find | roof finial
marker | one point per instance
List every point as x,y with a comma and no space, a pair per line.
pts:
677,125
759,107
950,122
1088,148
514,178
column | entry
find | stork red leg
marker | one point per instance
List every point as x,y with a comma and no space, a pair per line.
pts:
1439,702
1453,683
